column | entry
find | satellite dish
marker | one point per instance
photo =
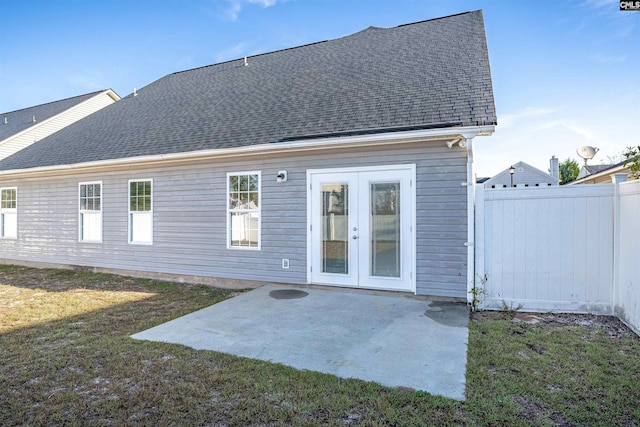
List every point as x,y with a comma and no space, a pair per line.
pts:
587,152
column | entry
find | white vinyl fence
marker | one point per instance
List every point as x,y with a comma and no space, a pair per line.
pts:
569,248
627,267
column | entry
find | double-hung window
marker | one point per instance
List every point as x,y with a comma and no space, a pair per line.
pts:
141,212
91,212
8,213
243,210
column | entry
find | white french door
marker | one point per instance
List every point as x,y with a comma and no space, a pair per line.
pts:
361,227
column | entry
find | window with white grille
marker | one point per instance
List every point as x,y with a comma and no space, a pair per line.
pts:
91,211
243,211
141,212
9,213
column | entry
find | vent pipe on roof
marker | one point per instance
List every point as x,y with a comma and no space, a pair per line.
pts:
6,121
34,119
245,61
135,93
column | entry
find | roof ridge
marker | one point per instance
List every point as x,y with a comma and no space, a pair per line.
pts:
53,102
440,17
251,56
371,27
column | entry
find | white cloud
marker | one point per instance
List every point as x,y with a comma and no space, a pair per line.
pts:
264,3
608,13
88,80
233,11
598,4
536,139
533,135
603,59
235,7
570,126
508,120
185,62
233,52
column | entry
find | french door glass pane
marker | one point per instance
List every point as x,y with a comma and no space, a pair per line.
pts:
335,228
385,229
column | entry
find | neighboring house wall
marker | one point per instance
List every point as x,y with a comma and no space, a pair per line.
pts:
602,177
190,202
44,128
524,175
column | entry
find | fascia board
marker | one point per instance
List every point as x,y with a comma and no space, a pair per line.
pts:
304,145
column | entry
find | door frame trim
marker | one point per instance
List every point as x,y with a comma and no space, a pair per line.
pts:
411,167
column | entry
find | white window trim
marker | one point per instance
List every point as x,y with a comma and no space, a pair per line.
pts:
150,213
228,212
81,212
4,211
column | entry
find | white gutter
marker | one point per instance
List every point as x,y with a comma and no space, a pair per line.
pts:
301,145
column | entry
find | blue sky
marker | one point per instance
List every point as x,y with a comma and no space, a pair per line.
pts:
565,73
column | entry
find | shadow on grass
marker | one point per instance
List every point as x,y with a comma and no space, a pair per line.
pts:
84,369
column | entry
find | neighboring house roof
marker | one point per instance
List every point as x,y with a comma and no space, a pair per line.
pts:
14,122
587,170
601,174
524,174
429,74
21,128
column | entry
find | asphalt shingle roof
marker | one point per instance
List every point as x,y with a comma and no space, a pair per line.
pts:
20,120
427,74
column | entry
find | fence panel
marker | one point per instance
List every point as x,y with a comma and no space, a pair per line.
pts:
546,249
628,275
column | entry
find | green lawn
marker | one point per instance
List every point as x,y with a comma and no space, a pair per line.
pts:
66,358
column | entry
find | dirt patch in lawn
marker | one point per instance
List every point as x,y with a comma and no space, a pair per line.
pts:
612,326
65,280
553,369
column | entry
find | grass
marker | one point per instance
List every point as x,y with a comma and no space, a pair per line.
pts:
66,358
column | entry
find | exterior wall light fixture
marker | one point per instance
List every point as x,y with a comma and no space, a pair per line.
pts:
281,177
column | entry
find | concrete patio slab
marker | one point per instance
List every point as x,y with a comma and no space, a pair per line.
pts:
392,340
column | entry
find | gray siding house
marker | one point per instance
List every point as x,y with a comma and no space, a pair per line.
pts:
524,175
346,163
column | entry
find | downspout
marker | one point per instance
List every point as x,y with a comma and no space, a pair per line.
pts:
470,244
